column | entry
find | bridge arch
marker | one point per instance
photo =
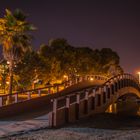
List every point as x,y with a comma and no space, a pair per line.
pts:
115,88
128,90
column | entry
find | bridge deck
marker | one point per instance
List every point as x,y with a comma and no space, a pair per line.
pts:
45,109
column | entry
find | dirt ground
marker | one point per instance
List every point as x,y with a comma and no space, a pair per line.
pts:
100,127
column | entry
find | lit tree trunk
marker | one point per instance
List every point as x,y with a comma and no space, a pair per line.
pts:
9,99
4,82
11,77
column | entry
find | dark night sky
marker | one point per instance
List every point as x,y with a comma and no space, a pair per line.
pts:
94,23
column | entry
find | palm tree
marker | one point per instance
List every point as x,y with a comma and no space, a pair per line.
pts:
15,39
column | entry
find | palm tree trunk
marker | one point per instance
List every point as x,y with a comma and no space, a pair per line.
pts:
10,81
9,99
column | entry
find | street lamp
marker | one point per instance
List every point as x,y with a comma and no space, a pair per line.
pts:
91,79
139,76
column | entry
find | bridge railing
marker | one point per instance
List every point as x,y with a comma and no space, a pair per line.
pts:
50,89
86,101
92,78
30,94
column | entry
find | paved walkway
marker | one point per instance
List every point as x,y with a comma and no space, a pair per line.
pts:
8,128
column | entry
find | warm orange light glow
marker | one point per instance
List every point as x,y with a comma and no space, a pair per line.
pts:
139,76
8,62
91,79
65,76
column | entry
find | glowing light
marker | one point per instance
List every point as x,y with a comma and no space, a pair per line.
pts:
65,76
139,76
91,79
7,82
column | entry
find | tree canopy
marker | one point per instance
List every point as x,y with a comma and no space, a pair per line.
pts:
74,61
14,38
53,60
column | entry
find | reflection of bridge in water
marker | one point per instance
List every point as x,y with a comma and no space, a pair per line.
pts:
72,100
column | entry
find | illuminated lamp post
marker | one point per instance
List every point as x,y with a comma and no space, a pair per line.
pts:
65,77
91,79
139,77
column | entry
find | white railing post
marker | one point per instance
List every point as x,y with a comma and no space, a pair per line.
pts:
67,109
67,102
16,98
71,83
93,92
78,98
54,112
80,79
29,95
77,106
105,88
76,80
86,95
104,93
86,102
86,77
39,93
1,101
